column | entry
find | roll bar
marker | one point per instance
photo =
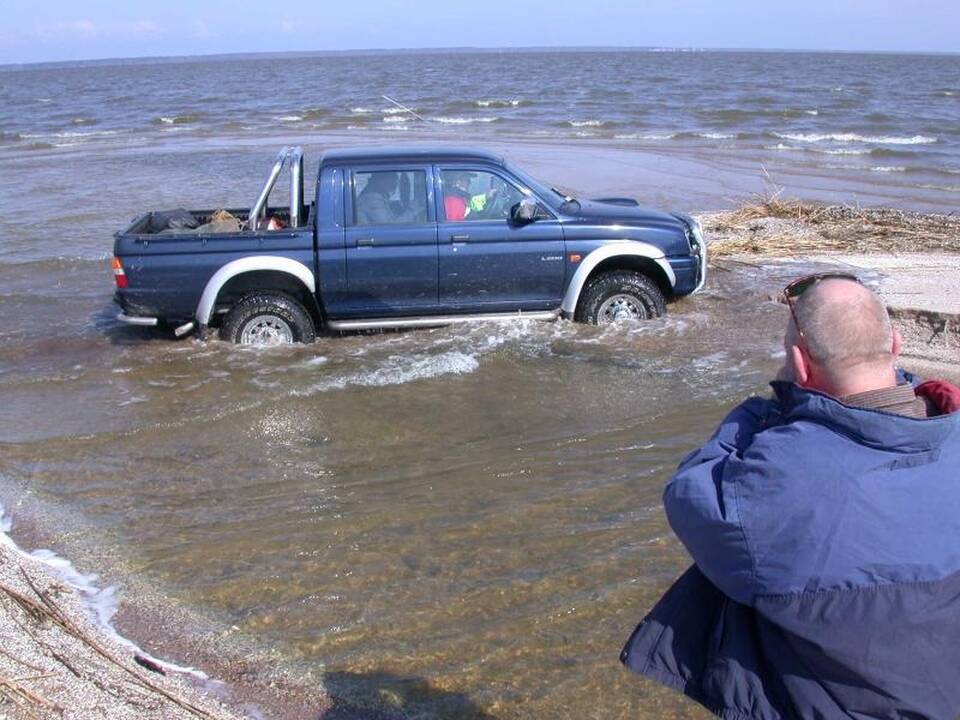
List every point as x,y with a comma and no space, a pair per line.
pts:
257,212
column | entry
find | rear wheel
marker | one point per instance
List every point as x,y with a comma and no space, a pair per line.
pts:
618,296
268,319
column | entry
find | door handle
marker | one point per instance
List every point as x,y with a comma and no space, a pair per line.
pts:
365,242
460,238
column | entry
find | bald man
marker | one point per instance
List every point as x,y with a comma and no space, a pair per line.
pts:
824,524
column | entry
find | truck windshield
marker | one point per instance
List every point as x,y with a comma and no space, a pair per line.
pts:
554,198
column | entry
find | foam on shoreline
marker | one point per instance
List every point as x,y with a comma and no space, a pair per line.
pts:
101,603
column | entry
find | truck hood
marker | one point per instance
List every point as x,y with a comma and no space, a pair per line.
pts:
620,211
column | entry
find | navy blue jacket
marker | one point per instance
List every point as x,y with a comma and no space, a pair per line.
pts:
827,580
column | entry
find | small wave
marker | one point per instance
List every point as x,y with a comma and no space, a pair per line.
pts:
945,188
314,113
646,136
288,118
842,151
705,135
946,93
783,147
392,111
361,110
400,370
44,100
84,121
587,123
465,120
394,119
891,153
500,103
185,119
888,168
855,138
69,134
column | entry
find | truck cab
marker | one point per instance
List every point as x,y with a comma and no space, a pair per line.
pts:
406,237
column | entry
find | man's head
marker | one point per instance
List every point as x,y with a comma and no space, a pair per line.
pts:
845,343
460,180
384,183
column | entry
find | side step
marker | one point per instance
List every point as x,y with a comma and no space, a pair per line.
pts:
438,320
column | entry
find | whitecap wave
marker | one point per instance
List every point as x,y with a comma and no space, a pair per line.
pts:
645,136
288,118
586,123
497,103
855,138
888,168
465,120
716,135
843,151
361,110
394,119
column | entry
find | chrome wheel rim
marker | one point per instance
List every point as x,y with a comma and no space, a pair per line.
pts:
621,308
267,330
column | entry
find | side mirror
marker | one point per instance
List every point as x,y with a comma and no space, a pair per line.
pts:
524,211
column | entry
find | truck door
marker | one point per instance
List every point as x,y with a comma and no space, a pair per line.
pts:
391,241
488,263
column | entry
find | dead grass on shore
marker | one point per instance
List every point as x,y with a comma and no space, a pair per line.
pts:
771,225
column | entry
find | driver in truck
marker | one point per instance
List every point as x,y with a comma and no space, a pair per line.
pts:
459,202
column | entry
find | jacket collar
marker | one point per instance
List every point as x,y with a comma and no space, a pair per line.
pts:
874,428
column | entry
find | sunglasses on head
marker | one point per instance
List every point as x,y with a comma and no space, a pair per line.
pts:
799,286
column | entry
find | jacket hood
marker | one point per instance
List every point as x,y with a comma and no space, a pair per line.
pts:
873,428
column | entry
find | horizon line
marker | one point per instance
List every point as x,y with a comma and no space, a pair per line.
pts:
466,49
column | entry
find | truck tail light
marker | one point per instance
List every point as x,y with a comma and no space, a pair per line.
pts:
118,274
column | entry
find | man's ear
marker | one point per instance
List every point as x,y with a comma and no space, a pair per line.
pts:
897,344
801,365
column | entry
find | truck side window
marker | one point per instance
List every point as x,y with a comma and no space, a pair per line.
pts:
477,195
389,197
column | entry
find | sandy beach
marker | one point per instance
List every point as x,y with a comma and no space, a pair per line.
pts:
60,659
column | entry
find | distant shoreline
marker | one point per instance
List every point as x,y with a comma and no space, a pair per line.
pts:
466,50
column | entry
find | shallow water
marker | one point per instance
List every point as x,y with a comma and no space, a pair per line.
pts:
446,523
477,508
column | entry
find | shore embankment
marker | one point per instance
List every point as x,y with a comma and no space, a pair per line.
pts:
910,258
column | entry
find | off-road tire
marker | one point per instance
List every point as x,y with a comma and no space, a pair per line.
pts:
645,297
262,306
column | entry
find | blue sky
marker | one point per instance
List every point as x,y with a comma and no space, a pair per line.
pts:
71,30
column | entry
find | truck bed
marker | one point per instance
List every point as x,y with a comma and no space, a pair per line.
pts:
148,224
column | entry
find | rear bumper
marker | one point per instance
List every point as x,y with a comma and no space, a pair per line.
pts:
137,320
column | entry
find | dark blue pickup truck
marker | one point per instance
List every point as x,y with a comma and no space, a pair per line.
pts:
403,237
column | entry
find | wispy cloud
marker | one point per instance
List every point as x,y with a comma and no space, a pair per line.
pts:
88,30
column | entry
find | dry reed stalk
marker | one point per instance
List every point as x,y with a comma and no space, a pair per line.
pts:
47,609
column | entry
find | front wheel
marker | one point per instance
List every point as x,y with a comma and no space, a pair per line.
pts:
268,319
620,295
